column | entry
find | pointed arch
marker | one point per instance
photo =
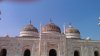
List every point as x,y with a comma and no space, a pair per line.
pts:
52,52
96,53
3,52
27,52
76,53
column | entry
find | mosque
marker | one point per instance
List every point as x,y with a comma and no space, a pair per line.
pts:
49,41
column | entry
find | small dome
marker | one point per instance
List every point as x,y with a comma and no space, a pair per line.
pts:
51,27
71,29
29,27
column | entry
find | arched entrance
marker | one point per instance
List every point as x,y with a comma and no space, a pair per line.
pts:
96,53
76,53
52,52
3,52
27,52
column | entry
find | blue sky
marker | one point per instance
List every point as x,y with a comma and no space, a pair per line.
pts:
82,14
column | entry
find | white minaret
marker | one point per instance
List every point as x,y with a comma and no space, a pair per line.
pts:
0,14
40,39
64,28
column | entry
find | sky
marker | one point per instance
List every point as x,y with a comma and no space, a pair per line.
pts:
82,14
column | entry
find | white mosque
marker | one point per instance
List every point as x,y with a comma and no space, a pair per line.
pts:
50,41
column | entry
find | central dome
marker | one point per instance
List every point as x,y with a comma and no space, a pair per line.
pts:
50,27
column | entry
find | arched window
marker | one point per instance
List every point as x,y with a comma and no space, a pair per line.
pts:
96,53
3,52
52,52
76,53
27,52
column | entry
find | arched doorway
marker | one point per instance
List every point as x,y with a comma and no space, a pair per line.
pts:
96,53
3,52
27,52
76,53
52,52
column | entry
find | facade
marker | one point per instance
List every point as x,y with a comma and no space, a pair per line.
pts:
50,41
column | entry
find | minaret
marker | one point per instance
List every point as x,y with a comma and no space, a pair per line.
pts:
0,14
40,40
64,28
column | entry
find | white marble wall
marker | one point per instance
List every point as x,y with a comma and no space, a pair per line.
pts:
63,46
86,48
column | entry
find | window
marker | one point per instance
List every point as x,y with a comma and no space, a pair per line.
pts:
27,52
76,53
3,52
52,52
96,53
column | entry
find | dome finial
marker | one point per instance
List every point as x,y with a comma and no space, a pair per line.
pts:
50,20
70,25
30,21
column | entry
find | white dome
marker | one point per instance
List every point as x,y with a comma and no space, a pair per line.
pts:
71,29
72,32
